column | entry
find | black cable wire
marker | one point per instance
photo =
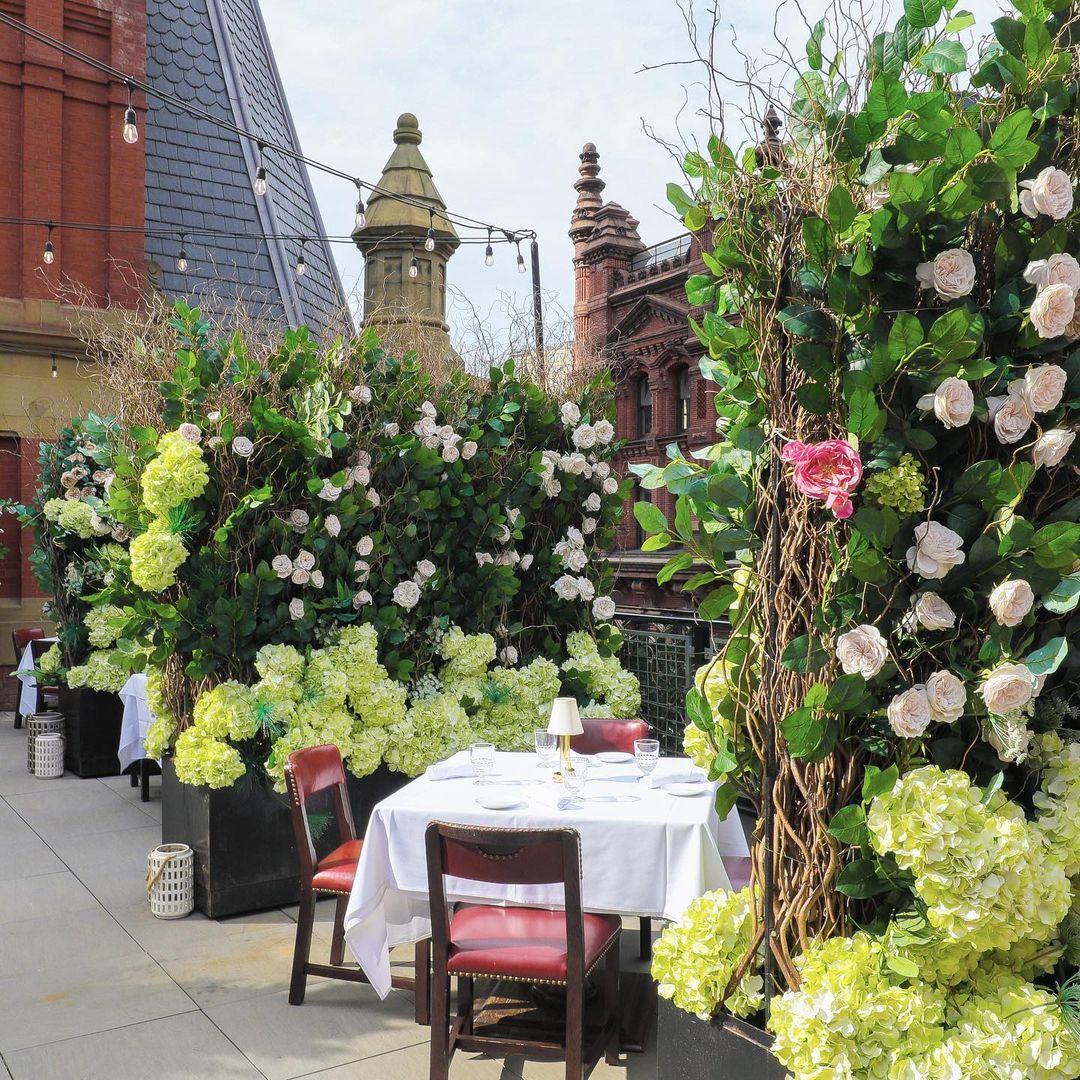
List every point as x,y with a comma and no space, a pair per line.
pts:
460,220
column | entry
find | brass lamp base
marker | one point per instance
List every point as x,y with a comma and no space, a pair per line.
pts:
565,757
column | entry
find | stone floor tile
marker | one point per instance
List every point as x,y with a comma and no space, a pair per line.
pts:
59,895
412,1064
23,855
72,808
174,1048
53,944
338,1023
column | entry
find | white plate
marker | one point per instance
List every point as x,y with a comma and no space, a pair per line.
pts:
492,801
614,757
686,789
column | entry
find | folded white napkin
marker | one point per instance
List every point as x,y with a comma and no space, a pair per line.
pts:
452,769
683,776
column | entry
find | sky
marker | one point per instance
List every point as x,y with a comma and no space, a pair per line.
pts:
506,94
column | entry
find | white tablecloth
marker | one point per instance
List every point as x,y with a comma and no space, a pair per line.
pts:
136,721
28,693
643,851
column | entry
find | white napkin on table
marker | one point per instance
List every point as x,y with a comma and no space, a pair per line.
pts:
452,769
684,776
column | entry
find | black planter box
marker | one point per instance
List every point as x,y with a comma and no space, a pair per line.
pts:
693,1049
242,836
91,731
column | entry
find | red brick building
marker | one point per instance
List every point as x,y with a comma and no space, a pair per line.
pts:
630,307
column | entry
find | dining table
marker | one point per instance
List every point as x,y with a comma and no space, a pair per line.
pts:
649,845
28,691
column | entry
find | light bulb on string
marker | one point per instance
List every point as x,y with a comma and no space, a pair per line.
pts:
414,268
48,255
131,123
429,241
489,252
181,259
520,258
361,217
259,186
301,266
55,373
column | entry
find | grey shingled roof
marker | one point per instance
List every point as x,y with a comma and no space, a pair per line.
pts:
216,55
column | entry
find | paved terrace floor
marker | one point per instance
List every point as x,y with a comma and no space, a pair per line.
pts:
93,987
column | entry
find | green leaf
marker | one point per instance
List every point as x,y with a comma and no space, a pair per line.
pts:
813,46
650,517
673,566
944,58
878,781
815,398
697,709
700,289
840,208
1009,142
1054,545
847,693
802,320
849,826
808,737
962,146
862,411
804,655
717,604
885,100
956,334
960,21
679,199
817,235
993,787
1065,596
860,880
902,966
922,13
905,336
1047,659
657,542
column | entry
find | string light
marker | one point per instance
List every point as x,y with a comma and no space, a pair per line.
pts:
414,267
181,259
55,373
259,186
48,254
361,217
520,258
429,242
131,123
301,266
489,252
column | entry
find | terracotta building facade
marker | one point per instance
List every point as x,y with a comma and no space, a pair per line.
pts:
630,310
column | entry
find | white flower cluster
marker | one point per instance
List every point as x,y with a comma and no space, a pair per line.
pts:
300,570
1040,390
570,551
568,587
441,437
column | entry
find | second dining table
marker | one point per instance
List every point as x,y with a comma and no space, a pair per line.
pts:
645,849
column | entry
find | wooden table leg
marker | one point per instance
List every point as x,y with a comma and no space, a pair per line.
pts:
144,774
422,966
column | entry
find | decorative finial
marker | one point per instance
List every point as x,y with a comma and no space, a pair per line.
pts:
408,129
771,150
588,184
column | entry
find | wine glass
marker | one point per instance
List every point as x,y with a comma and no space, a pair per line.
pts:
574,782
547,749
482,759
647,754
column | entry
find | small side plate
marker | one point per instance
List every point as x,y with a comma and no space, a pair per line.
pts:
686,790
614,757
493,801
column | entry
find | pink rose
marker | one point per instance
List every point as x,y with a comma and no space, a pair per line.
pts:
829,471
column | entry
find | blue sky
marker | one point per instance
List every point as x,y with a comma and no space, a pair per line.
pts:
506,94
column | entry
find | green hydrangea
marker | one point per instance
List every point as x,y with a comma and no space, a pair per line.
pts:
903,487
227,711
201,759
696,956
98,673
103,625
515,702
50,662
156,555
1058,798
159,735
71,515
698,747
177,475
615,691
433,729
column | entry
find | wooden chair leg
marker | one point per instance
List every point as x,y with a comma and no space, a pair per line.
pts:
18,719
612,1004
440,1028
645,938
422,977
305,920
134,775
575,1031
465,1004
144,776
337,945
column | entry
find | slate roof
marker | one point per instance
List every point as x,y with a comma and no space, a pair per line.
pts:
216,55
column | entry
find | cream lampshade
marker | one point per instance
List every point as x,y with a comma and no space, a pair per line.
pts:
565,721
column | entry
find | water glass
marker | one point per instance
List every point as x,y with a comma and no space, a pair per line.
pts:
482,759
547,748
574,782
647,753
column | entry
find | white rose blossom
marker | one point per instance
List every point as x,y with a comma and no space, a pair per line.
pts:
1052,310
569,413
361,598
952,402
610,486
360,395
526,561
862,651
429,410
1007,688
425,568
909,713
406,594
1051,447
298,520
601,469
214,416
300,576
575,463
576,560
1042,387
947,697
450,454
190,432
603,608
932,613
551,487
586,589
426,427
468,450
365,545
588,526
332,524
329,492
593,503
937,549
296,608
390,430
509,655
362,570
317,578
373,497
305,560
243,447
484,558
1011,600
605,432
1011,415
360,474
1050,193
1060,269
584,436
951,274
282,565
566,587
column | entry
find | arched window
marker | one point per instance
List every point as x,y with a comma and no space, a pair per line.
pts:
682,399
644,405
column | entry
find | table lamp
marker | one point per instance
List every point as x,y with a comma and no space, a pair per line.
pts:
565,721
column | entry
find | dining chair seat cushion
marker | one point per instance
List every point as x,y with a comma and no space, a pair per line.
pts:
521,943
335,872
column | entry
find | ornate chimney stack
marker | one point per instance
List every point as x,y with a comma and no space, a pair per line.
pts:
589,187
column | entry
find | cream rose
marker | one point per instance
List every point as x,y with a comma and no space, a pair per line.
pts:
862,651
282,565
1011,600
951,274
1050,193
1007,688
300,576
332,524
603,608
406,594
468,450
1052,310
1012,417
952,402
566,588
909,712
946,696
1043,387
569,413
296,609
305,560
1057,270
242,446
932,613
936,550
1051,447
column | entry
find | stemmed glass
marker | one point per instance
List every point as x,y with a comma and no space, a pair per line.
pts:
482,759
547,749
574,782
647,754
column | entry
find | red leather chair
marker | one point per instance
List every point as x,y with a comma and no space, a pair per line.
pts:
602,734
519,944
308,772
20,638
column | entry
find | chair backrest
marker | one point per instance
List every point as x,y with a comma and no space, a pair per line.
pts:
602,734
505,857
22,636
307,772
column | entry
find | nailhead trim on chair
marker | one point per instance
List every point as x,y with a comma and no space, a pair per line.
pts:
539,982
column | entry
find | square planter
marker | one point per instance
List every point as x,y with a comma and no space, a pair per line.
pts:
693,1049
242,836
92,721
